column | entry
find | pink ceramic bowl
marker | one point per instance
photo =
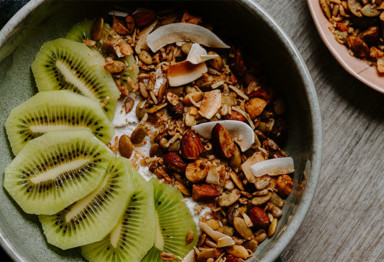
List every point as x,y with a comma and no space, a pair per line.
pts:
356,67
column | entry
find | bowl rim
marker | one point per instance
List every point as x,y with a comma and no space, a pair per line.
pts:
354,66
310,93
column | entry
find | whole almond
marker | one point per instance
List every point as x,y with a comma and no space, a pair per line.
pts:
144,17
259,217
191,145
204,192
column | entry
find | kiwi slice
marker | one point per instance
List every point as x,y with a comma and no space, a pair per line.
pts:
94,216
53,171
173,221
130,74
64,64
80,31
133,236
56,111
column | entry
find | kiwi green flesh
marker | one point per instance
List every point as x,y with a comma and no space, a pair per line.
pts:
55,111
133,236
94,216
174,221
56,169
130,74
64,64
80,31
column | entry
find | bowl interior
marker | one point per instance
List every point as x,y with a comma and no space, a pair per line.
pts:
238,22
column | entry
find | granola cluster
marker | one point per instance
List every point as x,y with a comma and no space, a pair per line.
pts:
358,24
214,171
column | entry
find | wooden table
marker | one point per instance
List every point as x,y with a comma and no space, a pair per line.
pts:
346,218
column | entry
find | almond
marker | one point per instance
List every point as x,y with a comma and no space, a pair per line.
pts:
173,162
144,17
196,171
255,107
262,93
234,116
358,46
119,27
191,145
130,23
175,107
204,192
259,217
222,141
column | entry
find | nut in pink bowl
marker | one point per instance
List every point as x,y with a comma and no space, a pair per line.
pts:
355,66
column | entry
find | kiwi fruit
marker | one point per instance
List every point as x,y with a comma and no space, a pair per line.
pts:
56,169
55,111
94,216
133,236
80,31
64,64
173,222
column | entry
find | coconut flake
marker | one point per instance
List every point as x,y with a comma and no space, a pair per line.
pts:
211,103
216,235
183,32
246,166
198,54
118,13
185,72
240,132
273,167
142,42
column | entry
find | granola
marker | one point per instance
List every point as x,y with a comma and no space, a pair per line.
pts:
182,84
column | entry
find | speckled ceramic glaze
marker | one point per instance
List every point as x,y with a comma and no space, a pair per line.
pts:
40,21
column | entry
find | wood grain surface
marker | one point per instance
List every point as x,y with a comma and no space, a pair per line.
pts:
346,218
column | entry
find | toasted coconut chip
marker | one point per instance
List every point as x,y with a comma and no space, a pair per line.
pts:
213,176
184,72
198,54
241,133
246,166
183,32
142,43
273,167
118,13
190,257
211,103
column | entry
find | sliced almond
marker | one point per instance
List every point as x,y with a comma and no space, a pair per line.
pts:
211,103
241,133
185,72
142,43
183,32
197,54
273,167
246,166
221,239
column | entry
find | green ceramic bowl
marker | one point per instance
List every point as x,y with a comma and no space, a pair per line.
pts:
245,22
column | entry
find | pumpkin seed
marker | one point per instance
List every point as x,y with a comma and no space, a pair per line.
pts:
138,134
125,146
145,57
141,110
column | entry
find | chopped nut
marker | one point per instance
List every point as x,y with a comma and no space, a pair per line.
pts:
144,17
167,256
196,171
260,235
255,107
229,198
130,23
236,180
242,229
115,67
272,227
234,116
90,43
238,251
119,27
191,145
173,162
213,223
276,212
284,185
204,192
222,141
257,201
358,47
189,237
